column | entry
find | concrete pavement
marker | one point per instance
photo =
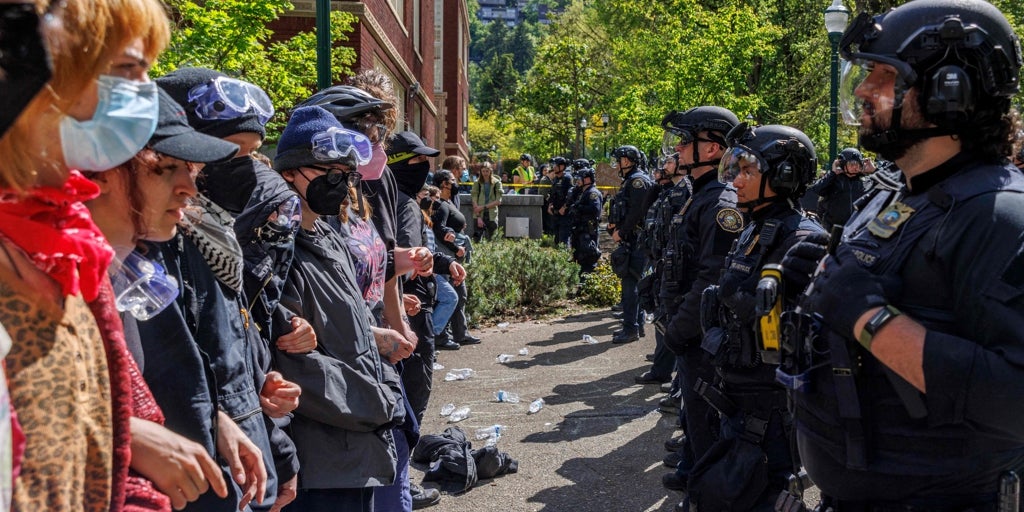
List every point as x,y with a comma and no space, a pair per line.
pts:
596,444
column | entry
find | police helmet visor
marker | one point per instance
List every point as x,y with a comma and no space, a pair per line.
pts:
739,160
674,138
335,144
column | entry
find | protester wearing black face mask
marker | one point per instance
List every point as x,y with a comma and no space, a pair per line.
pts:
24,63
338,432
408,159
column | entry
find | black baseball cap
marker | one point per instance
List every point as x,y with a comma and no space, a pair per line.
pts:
176,138
406,145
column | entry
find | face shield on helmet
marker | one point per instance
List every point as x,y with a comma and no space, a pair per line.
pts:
739,160
675,137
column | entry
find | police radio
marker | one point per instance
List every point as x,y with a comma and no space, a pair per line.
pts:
769,309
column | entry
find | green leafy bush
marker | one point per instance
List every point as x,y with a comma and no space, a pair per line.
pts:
516,277
601,287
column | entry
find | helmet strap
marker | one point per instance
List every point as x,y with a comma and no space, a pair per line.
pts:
896,139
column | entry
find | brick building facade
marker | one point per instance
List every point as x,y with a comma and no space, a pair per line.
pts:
411,41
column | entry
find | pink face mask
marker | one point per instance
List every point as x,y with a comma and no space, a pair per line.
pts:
373,170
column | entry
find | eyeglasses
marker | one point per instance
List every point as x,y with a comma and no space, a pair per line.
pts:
228,98
337,176
337,143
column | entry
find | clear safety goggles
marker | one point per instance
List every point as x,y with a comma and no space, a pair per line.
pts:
228,98
337,143
854,74
143,287
739,160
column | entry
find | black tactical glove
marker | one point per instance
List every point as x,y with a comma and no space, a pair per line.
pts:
845,290
802,259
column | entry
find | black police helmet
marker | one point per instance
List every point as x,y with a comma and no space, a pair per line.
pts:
586,173
630,152
850,155
525,156
559,160
785,155
953,51
582,163
716,120
346,102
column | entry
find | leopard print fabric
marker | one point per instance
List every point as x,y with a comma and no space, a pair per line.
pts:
60,388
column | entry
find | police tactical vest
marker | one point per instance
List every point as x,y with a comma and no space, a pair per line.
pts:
850,403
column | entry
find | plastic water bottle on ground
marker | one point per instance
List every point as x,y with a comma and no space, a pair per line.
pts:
459,374
536,405
438,367
459,414
648,317
491,431
506,396
504,358
588,339
524,351
503,326
447,409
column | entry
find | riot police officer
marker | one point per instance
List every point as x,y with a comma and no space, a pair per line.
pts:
910,395
558,199
700,234
624,223
585,215
672,192
770,168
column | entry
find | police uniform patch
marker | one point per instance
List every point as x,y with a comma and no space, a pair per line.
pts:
595,195
890,220
638,183
730,220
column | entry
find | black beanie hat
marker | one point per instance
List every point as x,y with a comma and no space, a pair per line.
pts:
179,82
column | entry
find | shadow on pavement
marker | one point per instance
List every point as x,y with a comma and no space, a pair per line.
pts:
600,479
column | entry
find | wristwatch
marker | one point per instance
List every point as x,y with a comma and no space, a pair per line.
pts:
876,322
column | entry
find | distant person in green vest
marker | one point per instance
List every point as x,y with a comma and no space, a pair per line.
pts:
523,174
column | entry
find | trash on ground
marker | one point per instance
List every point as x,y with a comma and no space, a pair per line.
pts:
506,396
447,409
438,366
588,339
459,414
503,326
504,358
524,351
536,405
459,374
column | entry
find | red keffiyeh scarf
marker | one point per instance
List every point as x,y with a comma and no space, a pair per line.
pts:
56,231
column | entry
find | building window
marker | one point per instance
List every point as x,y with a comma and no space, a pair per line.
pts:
399,7
416,25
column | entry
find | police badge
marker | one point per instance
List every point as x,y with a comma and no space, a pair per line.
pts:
890,219
730,220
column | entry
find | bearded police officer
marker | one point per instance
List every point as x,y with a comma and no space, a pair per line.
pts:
910,395
624,222
770,167
700,234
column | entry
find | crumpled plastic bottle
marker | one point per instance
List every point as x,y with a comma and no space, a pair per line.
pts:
459,414
588,339
506,396
459,374
504,358
447,409
524,351
536,406
491,431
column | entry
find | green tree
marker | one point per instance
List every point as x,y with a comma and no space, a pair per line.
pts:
498,84
232,37
522,48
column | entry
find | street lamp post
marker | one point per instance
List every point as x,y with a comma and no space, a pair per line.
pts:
323,44
604,131
583,131
836,18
